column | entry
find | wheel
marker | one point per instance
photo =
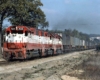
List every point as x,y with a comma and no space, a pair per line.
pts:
7,56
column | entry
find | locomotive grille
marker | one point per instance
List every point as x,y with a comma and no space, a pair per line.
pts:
19,54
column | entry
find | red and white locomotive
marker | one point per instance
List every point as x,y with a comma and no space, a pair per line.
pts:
22,42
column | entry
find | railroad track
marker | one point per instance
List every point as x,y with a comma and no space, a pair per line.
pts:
3,62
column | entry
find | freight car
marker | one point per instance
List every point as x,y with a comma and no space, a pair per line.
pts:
22,42
71,43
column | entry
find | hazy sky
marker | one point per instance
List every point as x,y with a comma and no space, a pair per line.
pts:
83,15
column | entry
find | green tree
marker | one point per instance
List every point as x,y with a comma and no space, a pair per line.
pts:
22,12
75,33
5,9
68,32
29,13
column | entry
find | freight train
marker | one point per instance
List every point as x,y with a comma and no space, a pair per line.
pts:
22,42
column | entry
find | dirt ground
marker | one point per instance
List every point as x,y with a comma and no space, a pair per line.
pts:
60,67
90,69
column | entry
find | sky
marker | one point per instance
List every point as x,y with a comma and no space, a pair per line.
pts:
82,15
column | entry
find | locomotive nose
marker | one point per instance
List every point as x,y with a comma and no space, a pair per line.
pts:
12,46
15,45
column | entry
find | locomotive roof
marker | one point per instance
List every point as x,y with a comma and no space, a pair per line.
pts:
8,28
31,29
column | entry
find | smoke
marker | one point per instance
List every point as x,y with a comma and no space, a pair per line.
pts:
81,23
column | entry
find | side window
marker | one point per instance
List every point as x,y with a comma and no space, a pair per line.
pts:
50,37
32,33
26,33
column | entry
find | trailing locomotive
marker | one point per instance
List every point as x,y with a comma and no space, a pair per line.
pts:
21,42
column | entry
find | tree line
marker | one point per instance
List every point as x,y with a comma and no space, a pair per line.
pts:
23,12
74,33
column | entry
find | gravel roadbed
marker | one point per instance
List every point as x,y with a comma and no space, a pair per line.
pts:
51,68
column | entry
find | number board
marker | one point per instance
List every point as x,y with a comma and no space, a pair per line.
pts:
13,28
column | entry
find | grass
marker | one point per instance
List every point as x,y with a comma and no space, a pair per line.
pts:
90,68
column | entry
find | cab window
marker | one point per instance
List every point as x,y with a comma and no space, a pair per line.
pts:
20,32
26,33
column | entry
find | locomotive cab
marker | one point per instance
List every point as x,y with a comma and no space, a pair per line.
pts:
14,42
14,37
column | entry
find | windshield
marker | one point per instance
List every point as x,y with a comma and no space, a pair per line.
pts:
18,31
15,32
